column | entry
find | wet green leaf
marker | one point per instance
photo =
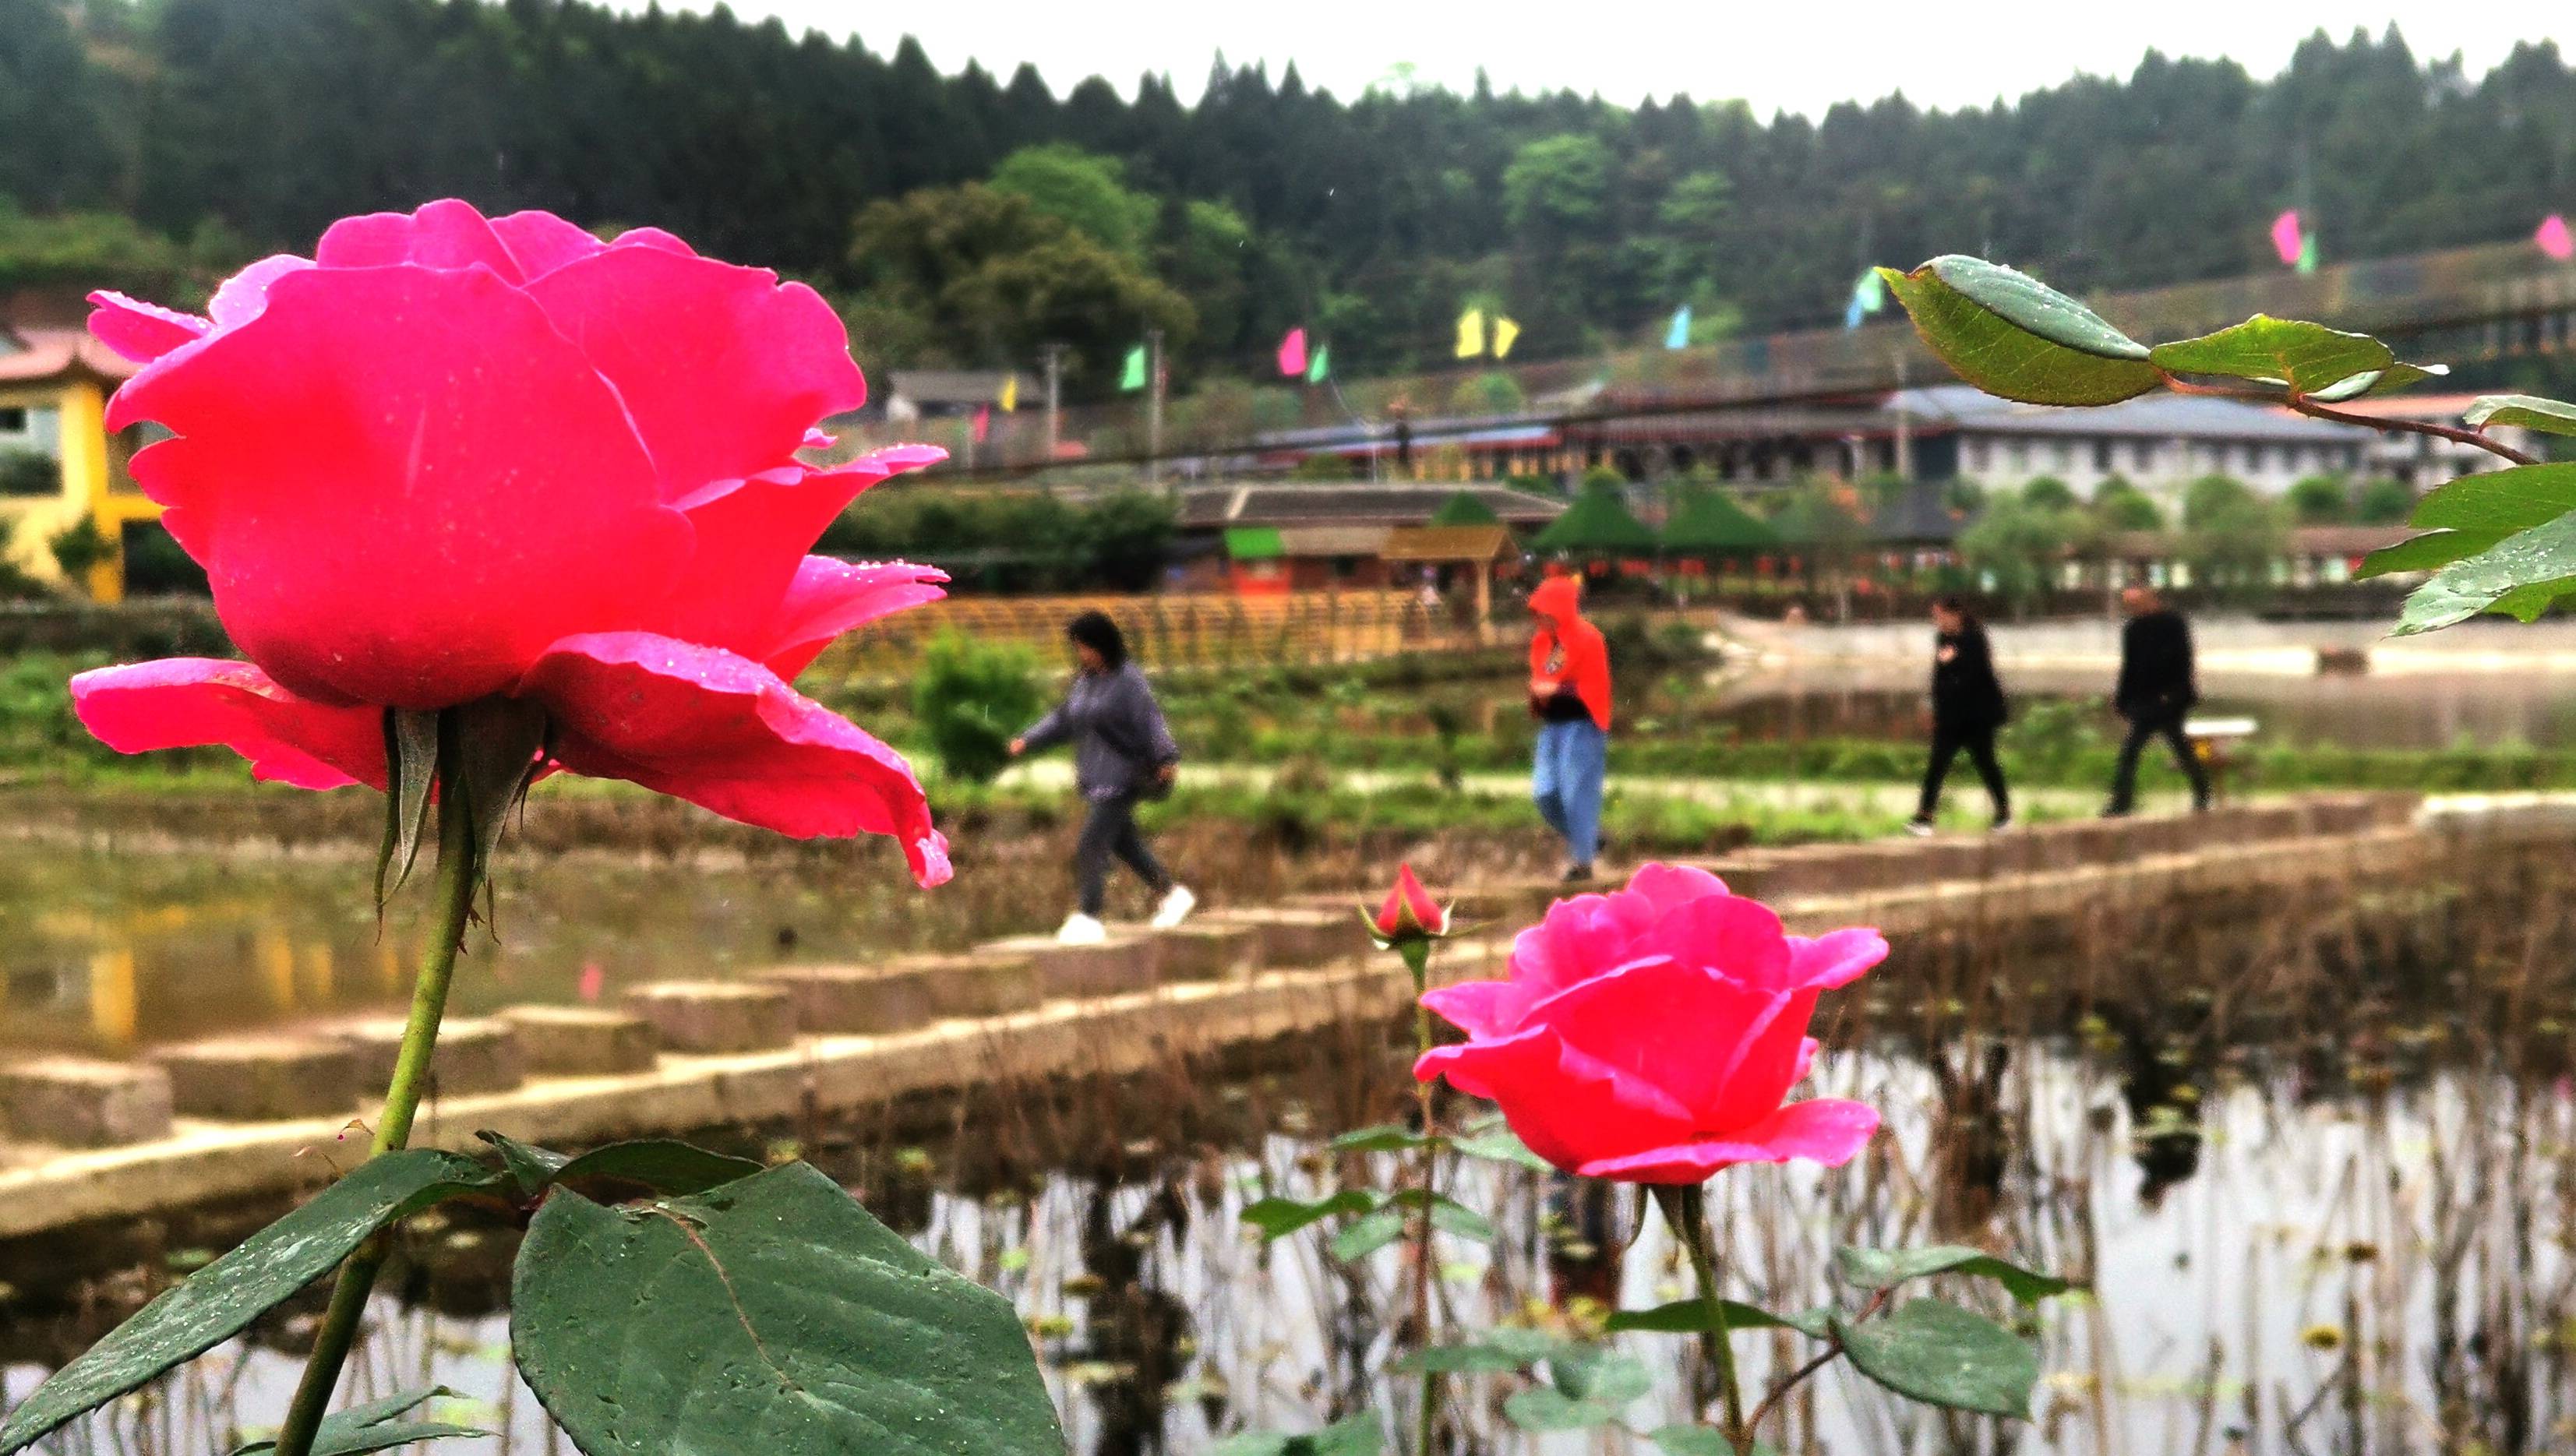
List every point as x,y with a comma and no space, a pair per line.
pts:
1587,1388
1384,1138
2397,376
1887,1268
2509,500
1365,1236
1943,1355
2010,335
1359,1435
1690,1317
1545,1408
2520,576
771,1316
2526,411
2427,552
2303,356
1278,1216
220,1301
1448,1215
374,1426
532,1168
664,1165
1690,1441
1495,1142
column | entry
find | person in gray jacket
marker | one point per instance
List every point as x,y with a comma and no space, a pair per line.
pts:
1122,752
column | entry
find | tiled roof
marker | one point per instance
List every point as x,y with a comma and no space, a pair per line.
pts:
1380,505
52,353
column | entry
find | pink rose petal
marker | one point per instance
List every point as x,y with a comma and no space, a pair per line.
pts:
190,702
726,734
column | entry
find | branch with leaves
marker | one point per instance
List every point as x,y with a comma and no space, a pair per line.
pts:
2498,541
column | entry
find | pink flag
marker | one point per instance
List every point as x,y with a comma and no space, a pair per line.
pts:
2285,237
2553,238
1292,353
594,980
983,422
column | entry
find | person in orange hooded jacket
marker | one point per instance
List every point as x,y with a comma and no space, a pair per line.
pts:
1569,694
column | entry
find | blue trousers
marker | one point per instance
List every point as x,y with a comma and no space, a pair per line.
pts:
1565,780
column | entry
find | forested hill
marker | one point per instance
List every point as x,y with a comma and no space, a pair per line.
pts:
222,127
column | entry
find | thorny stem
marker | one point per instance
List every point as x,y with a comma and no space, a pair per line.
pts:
2303,405
1417,958
1686,1210
1833,1351
454,903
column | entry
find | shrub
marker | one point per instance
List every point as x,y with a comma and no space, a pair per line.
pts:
970,697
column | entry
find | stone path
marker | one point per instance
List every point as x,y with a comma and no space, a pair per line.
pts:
88,1140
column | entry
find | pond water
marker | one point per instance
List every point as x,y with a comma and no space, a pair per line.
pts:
2316,1162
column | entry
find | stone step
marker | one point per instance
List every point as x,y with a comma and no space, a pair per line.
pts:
80,1102
1207,950
261,1078
583,1041
475,1054
1129,960
1296,935
982,982
838,1000
716,1016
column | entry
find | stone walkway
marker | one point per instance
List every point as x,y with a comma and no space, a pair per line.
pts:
89,1140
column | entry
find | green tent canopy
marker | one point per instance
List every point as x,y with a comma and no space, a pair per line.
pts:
1465,509
1598,523
1706,523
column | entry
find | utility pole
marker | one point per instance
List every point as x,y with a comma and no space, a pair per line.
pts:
1054,415
1153,405
1904,425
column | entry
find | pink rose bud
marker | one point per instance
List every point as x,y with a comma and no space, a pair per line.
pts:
1651,1035
451,458
1409,911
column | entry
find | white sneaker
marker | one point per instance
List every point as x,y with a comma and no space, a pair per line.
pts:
1176,907
1919,828
1081,929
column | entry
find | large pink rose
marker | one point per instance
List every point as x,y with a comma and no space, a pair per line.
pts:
452,457
1649,1035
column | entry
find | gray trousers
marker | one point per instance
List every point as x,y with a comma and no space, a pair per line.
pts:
1110,829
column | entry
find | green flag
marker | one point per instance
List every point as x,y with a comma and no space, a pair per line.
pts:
1134,378
1320,368
2308,252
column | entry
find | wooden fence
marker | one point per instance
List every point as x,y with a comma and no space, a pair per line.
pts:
1190,631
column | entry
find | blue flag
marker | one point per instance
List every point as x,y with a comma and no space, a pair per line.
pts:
1678,336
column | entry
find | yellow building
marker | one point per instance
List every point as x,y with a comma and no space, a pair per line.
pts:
58,463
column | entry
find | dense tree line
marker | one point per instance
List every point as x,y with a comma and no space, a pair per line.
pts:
233,125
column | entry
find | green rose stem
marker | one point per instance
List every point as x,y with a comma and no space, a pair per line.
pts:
1686,1213
1417,959
454,903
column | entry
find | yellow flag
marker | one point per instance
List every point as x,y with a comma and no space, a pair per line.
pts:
1471,333
1504,332
1010,393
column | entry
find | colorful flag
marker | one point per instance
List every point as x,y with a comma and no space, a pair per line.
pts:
1504,332
983,423
1134,376
1471,333
1010,392
2286,238
1320,368
1292,353
1870,291
1853,313
2308,253
1678,335
2553,239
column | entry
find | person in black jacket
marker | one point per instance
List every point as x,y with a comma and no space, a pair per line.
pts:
2156,689
1967,708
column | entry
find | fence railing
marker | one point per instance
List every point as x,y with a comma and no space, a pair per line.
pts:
1185,631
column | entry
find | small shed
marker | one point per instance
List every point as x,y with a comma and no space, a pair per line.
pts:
1477,548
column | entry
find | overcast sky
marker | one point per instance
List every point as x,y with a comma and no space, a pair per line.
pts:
1789,56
